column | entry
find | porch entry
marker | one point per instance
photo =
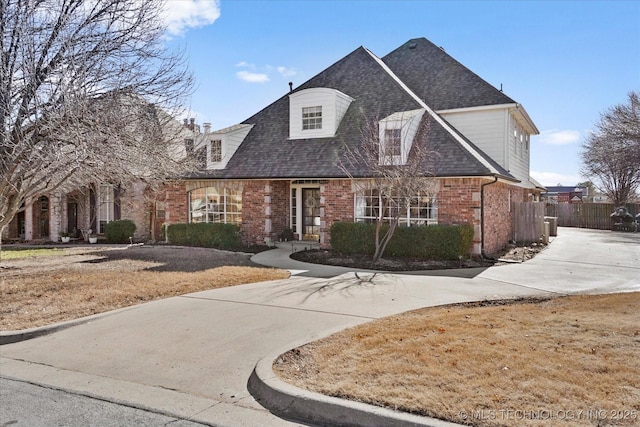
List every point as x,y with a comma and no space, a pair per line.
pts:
72,218
311,213
305,212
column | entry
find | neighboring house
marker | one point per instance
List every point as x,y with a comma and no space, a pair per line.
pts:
88,208
564,194
279,168
92,206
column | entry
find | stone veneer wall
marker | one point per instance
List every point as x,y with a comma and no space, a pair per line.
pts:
135,207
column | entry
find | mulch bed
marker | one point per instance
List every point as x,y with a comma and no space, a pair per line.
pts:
327,257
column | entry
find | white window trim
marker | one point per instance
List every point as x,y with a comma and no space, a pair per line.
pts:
224,213
313,119
359,203
334,106
105,205
217,141
408,123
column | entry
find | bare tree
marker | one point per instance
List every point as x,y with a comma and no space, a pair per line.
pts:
87,93
393,164
611,153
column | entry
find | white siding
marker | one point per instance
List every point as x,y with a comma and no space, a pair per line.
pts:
519,150
408,122
486,129
334,105
231,138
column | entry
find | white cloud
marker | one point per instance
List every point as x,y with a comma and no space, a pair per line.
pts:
180,15
245,64
559,137
250,77
287,72
554,178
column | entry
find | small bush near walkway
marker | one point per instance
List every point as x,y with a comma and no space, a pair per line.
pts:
206,235
120,231
437,242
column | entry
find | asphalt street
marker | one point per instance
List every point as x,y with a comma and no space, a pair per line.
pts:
25,404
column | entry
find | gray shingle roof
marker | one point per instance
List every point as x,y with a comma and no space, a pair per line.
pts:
438,79
267,151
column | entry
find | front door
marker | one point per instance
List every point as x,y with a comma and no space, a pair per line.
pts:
311,214
41,218
72,218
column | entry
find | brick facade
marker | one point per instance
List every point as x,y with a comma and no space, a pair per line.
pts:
256,204
176,203
460,201
280,208
498,222
336,204
266,208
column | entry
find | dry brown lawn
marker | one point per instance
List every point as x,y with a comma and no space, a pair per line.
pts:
570,361
77,282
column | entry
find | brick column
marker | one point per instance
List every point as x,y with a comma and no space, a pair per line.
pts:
176,203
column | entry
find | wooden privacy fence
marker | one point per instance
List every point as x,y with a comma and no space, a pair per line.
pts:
587,215
528,222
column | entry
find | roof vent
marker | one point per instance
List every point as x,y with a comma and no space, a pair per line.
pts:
413,45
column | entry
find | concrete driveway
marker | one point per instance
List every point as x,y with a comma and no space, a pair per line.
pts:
191,356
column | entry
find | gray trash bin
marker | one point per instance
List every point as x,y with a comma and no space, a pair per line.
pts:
553,225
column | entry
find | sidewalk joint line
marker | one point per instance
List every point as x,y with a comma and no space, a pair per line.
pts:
277,306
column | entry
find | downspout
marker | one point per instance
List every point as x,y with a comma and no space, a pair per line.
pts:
482,252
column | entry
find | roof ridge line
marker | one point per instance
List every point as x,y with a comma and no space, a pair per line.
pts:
433,114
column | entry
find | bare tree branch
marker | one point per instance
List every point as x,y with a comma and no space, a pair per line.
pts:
393,163
88,93
611,153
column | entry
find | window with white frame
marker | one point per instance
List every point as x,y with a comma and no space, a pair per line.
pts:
312,117
396,133
216,150
106,206
211,204
392,143
422,210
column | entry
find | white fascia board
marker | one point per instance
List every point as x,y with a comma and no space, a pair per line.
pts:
501,178
435,116
523,113
402,116
477,108
230,129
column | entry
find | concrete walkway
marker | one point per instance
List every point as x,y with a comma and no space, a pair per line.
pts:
191,356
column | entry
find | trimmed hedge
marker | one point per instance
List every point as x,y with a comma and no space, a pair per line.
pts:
203,234
119,231
438,242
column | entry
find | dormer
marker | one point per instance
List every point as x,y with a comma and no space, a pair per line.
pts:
316,112
396,133
222,144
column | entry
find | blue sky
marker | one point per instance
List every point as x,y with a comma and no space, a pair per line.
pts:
564,61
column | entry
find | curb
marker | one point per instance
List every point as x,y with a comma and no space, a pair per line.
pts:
295,404
10,337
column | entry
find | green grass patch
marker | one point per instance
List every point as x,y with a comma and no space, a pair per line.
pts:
15,253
